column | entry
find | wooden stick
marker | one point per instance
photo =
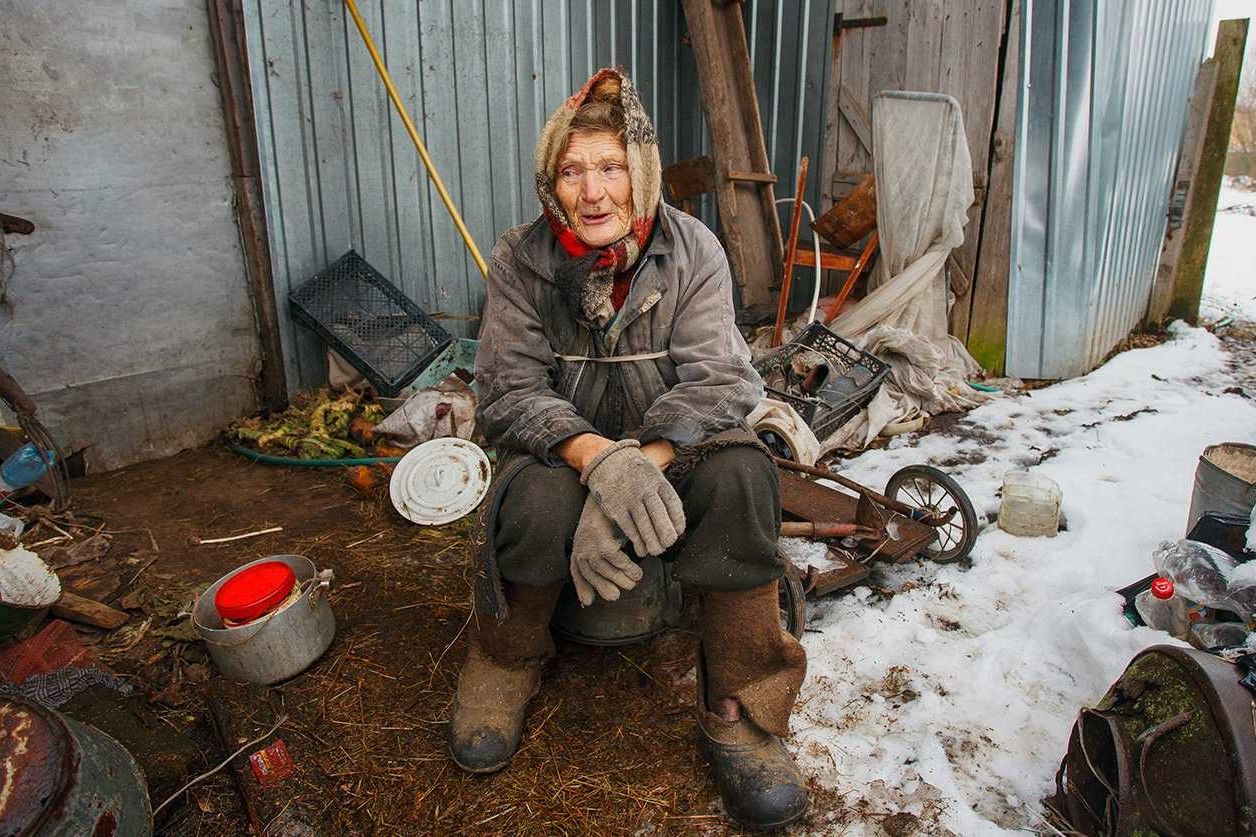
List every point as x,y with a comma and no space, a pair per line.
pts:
271,530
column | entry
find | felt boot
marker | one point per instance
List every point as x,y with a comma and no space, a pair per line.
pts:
746,656
500,676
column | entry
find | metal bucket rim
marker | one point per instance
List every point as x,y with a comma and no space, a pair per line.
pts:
303,568
1204,460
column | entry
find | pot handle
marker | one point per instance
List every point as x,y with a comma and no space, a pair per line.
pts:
321,583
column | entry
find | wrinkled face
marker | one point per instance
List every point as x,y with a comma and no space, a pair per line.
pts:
594,188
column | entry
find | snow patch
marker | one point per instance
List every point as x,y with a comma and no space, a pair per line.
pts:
966,680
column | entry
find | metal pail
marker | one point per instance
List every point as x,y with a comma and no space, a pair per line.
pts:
1225,482
651,607
63,778
277,646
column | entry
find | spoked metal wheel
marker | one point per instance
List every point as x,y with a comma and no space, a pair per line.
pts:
933,492
792,599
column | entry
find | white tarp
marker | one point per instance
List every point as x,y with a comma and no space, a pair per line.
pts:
924,190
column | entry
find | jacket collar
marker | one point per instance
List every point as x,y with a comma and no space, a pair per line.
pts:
539,251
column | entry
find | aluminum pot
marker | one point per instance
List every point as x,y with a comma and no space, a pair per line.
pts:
62,778
277,646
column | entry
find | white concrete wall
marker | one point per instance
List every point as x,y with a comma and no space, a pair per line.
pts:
128,318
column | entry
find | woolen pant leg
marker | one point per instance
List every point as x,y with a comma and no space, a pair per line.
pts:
732,520
535,524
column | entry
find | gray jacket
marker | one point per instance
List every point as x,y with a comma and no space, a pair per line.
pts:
680,301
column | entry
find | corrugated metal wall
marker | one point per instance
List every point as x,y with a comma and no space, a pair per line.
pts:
1105,88
479,78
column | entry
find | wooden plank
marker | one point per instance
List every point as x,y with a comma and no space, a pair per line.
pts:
987,327
1188,281
831,119
924,45
88,611
971,39
1183,191
753,232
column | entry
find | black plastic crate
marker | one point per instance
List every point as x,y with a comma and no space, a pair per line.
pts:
368,321
852,378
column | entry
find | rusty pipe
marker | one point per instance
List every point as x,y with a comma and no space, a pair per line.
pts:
807,529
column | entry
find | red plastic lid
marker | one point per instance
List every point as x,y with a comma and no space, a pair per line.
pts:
1162,588
253,592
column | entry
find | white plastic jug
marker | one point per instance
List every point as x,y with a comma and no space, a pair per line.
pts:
1030,506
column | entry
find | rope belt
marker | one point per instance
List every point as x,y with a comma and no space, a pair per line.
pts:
614,358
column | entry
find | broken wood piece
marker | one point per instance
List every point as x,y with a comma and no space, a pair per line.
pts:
88,611
14,224
687,179
851,218
230,538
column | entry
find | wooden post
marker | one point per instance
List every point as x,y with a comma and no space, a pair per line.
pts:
226,27
743,186
987,325
1188,281
1183,193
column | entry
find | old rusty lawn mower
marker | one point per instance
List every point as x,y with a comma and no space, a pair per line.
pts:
922,512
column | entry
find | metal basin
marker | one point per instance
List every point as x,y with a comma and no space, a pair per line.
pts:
62,778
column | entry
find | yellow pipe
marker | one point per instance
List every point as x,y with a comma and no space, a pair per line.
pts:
414,135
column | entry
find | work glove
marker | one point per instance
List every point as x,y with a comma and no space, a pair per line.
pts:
598,561
636,496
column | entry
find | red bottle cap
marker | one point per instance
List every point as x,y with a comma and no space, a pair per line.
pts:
1162,588
253,592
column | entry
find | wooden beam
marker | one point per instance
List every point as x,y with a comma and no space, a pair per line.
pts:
226,26
987,325
752,229
1183,192
1188,281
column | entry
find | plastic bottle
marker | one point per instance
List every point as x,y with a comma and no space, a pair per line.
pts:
23,467
1199,572
1030,505
1161,609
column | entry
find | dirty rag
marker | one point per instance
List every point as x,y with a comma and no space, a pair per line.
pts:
924,190
447,409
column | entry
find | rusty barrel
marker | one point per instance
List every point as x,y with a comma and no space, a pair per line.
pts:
62,777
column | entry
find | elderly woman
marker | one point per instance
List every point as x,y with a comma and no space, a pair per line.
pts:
614,379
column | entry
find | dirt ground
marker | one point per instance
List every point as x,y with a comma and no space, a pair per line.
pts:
610,745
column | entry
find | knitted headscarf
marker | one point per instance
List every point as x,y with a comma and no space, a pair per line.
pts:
588,293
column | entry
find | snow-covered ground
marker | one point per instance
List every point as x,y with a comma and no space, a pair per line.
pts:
952,700
1230,280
